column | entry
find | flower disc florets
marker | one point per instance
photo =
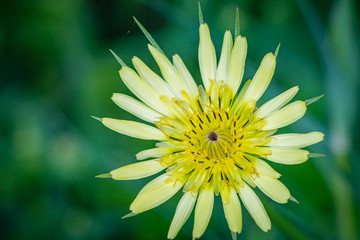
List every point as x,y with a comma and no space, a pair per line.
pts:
212,135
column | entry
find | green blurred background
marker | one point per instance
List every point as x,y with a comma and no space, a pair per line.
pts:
56,71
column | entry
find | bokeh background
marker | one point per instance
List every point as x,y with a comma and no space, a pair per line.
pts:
56,71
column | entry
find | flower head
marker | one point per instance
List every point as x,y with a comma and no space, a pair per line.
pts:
212,139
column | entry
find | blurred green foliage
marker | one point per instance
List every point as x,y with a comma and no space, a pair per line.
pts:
56,71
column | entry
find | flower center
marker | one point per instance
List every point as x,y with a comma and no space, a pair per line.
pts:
212,136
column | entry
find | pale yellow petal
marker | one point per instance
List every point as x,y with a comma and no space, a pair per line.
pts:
142,90
237,63
203,211
167,70
204,97
182,213
254,206
240,98
262,78
214,94
189,83
295,140
224,62
232,212
262,167
246,176
207,56
136,107
285,116
172,144
155,195
276,103
175,109
288,156
226,96
133,129
155,152
273,188
137,170
152,78
154,183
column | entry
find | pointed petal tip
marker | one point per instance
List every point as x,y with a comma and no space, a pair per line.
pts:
201,18
131,214
148,36
137,22
122,63
237,22
97,118
234,235
293,199
277,50
316,155
313,100
105,175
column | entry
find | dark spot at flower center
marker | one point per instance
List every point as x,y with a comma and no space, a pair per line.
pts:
212,136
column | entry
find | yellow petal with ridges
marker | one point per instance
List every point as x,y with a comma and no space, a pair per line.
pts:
237,63
262,167
136,107
232,212
155,195
285,116
152,78
133,129
224,62
155,152
142,90
154,183
254,206
203,211
189,83
288,156
207,56
247,177
174,108
182,213
240,98
295,140
276,103
262,77
167,70
137,170
273,188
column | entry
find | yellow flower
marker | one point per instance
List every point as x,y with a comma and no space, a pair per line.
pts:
212,140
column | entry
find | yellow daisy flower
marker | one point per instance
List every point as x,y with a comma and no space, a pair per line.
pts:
211,139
